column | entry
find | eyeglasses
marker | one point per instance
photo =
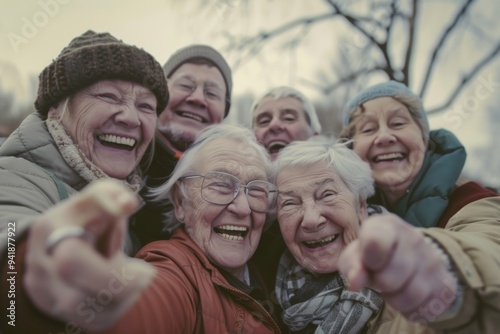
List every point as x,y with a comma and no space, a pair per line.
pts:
222,188
212,93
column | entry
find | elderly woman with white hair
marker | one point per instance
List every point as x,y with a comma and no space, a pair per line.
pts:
200,279
347,271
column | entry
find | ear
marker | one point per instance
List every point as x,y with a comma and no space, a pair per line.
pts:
178,201
363,211
54,111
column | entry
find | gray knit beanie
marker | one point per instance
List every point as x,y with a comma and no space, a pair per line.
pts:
93,57
390,89
183,55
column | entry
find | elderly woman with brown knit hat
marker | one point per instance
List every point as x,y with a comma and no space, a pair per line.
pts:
97,109
203,281
416,173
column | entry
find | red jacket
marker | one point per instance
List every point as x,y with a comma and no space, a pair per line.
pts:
189,295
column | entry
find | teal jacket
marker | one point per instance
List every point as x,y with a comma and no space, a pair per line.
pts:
429,195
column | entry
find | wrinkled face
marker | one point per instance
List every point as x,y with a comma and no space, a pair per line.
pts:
387,137
227,234
318,215
278,122
112,123
197,100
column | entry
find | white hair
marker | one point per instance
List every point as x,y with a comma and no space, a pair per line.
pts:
188,163
284,91
354,172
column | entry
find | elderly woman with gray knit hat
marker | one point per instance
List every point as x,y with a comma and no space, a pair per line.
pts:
97,109
416,174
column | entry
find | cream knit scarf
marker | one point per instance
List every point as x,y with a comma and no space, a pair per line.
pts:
79,162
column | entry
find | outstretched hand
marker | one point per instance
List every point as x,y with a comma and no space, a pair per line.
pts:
393,257
85,279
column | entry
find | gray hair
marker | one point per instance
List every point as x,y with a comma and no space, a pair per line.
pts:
354,172
284,91
188,163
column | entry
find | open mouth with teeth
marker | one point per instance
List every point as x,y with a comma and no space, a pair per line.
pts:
389,157
119,142
322,242
186,114
276,146
231,232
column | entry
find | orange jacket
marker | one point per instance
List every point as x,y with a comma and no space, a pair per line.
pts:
189,295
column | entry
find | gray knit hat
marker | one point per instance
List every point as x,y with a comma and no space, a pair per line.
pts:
92,57
390,88
181,56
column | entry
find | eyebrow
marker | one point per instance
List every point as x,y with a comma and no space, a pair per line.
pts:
391,113
251,178
289,110
207,82
316,185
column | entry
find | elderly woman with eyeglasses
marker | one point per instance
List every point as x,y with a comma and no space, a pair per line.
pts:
349,271
202,281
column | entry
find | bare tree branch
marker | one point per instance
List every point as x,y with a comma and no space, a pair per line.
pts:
259,38
378,52
347,79
382,46
354,22
254,44
411,42
461,85
441,42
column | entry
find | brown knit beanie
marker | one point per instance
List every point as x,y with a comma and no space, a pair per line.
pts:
93,57
183,55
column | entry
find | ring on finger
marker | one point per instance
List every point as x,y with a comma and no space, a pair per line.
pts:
62,233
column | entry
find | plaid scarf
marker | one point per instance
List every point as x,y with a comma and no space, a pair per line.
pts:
322,305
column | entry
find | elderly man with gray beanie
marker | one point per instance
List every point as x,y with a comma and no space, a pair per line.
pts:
200,84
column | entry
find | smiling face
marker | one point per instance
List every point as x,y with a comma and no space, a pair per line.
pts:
227,234
318,215
389,139
197,100
280,121
112,123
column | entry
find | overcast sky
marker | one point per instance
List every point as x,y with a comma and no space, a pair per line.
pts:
33,32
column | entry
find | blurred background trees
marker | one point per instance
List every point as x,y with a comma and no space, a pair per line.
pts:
424,44
445,50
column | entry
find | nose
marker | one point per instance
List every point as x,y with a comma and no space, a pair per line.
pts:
197,96
385,136
240,205
276,124
128,116
312,221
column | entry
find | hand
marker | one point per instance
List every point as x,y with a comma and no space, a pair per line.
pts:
393,257
85,282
